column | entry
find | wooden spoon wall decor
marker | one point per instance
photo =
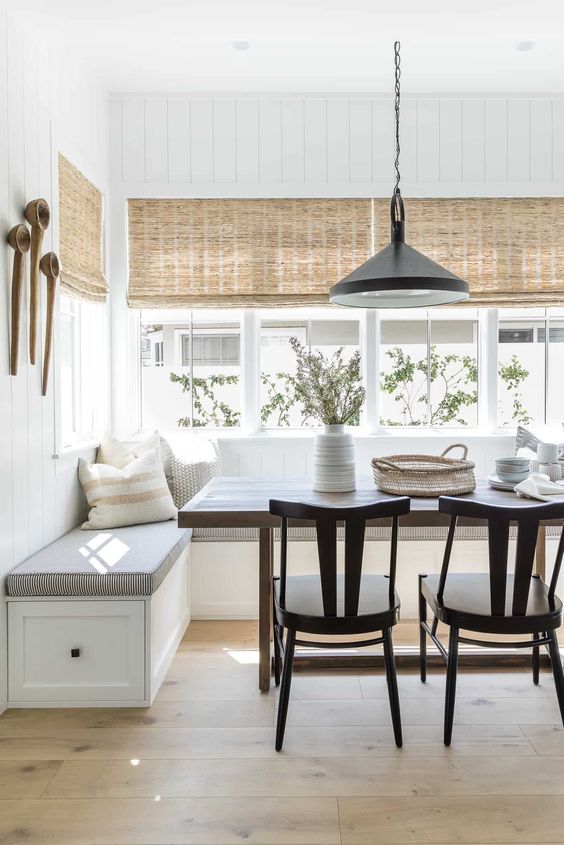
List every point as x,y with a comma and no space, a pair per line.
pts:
50,268
38,216
20,241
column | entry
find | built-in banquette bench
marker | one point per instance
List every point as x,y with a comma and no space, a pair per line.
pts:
95,618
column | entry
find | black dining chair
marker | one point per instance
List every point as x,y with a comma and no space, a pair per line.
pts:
495,602
332,604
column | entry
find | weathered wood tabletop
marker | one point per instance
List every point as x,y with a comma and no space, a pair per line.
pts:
242,502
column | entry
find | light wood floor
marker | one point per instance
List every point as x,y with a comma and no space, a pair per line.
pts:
199,766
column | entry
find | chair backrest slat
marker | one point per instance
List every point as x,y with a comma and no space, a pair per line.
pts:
326,520
327,549
527,516
354,547
498,548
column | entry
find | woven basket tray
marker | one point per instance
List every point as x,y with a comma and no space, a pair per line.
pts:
425,475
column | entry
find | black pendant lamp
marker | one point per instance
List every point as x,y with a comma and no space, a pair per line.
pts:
399,276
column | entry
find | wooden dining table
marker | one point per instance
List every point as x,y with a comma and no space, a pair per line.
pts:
243,502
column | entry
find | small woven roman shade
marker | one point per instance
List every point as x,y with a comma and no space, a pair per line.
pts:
238,252
510,251
80,235
268,252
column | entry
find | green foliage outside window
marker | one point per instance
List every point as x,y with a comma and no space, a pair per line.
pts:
329,390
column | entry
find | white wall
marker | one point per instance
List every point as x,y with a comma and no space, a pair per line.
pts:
45,106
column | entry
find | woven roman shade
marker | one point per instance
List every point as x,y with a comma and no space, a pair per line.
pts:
510,251
269,252
80,235
233,252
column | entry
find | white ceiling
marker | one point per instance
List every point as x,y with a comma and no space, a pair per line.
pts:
311,45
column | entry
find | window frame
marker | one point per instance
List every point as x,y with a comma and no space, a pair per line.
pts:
488,321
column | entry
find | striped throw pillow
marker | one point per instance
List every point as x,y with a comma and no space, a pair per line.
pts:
136,494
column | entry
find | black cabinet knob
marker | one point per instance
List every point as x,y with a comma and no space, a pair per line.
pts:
75,652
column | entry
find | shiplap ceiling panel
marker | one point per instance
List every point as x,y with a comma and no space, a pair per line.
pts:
338,149
540,134
133,126
270,140
201,140
518,133
473,153
382,140
224,140
247,140
315,140
360,140
292,140
495,141
428,141
558,141
178,140
156,140
338,141
450,140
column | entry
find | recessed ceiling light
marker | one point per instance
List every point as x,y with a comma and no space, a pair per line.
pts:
240,45
525,46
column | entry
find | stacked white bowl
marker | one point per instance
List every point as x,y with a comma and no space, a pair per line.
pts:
512,470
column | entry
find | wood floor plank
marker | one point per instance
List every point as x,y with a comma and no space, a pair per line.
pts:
469,685
229,743
217,689
422,820
170,821
424,711
26,778
546,739
163,714
311,776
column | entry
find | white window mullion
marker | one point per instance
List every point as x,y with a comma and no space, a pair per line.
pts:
370,352
487,369
250,372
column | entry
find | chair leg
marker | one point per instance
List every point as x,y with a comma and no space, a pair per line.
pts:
277,655
392,683
536,661
422,633
285,688
556,661
451,683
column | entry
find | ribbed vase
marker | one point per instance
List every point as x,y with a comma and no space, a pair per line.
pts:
333,460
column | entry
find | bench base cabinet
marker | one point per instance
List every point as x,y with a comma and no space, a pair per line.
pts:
76,651
95,652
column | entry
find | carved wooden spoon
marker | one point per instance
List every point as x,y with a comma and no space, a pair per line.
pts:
49,267
38,216
20,241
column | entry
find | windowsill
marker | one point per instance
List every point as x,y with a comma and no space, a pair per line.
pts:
67,456
385,434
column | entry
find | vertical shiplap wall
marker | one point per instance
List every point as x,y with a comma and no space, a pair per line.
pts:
343,145
44,108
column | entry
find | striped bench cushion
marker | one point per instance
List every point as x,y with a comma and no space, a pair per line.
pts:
131,561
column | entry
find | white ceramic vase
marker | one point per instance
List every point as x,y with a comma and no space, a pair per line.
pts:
333,460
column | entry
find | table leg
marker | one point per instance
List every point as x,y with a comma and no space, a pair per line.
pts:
540,554
266,548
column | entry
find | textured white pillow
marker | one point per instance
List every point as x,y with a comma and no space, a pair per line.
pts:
136,494
117,454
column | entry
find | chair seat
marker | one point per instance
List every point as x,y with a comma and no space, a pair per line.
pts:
467,604
303,609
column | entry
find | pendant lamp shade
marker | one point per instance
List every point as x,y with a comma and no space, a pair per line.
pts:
399,276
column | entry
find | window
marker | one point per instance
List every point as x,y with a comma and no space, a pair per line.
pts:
192,377
83,370
315,330
439,368
429,369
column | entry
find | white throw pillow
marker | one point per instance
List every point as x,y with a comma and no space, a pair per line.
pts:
136,494
117,454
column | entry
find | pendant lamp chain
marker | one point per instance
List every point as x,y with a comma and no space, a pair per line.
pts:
397,109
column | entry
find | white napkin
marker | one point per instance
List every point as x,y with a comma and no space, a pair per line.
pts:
539,486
